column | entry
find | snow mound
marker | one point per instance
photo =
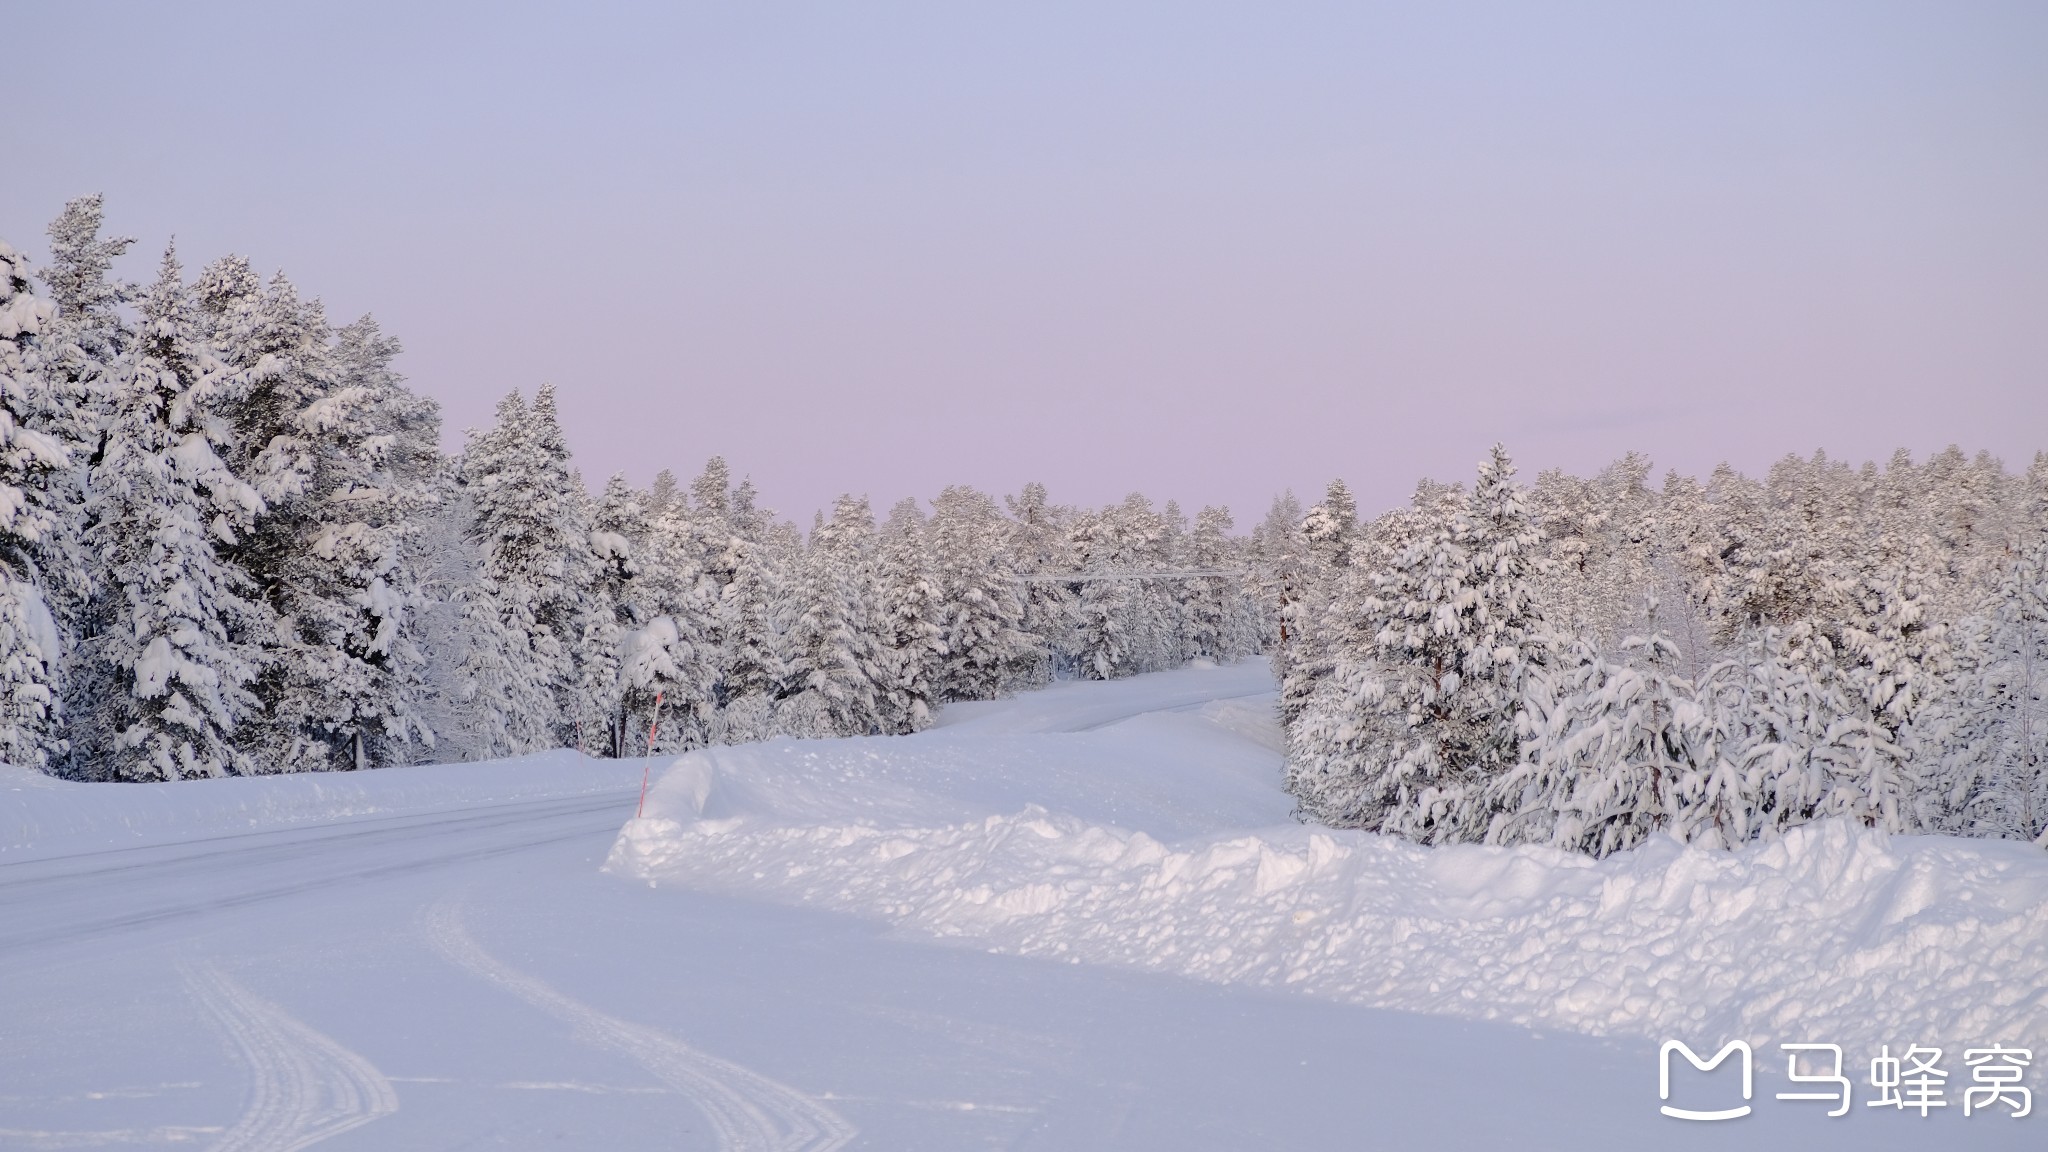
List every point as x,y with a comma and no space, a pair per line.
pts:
1119,846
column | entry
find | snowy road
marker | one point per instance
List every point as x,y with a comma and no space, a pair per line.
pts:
454,971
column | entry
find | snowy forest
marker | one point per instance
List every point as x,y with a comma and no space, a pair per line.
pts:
233,545
1585,663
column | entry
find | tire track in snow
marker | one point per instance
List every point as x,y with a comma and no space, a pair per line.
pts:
305,1087
747,1111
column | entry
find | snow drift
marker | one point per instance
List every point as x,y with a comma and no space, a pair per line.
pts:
1160,843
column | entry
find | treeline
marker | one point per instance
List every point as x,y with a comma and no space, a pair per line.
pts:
229,544
1588,662
577,621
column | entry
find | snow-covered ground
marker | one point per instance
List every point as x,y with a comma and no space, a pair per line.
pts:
1079,919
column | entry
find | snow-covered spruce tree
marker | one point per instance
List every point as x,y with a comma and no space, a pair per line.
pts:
673,663
756,668
718,513
1106,645
80,350
908,621
988,653
525,524
345,458
31,648
836,669
617,532
1781,701
1275,554
1411,738
1899,663
391,479
1608,747
174,642
1169,594
1038,546
1994,779
1309,653
1219,621
1601,544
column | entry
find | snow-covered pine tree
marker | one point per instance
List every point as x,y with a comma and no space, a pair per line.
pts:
617,531
1168,594
675,661
173,652
510,667
1601,544
81,348
1276,552
1104,645
346,460
1218,619
711,491
756,672
1038,546
532,524
988,653
1311,649
31,649
1781,700
836,669
1899,664
1993,780
1411,738
660,494
908,621
483,699
1607,750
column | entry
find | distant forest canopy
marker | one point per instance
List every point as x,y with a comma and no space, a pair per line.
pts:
1588,662
229,544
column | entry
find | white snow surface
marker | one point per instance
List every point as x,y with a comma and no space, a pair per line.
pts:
432,958
41,815
1162,842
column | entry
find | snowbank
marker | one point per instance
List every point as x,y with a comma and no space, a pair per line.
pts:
40,815
1159,843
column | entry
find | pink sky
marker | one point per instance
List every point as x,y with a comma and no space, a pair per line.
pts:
1205,252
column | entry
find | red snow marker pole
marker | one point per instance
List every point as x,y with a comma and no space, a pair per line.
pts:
652,728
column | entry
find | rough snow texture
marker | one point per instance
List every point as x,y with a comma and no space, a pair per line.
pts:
41,815
1155,844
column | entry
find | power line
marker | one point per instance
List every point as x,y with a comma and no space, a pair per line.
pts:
1163,574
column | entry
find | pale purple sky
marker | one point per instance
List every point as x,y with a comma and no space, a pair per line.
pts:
1205,251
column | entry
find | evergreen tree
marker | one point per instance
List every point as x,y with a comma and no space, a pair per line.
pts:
1409,736
757,667
80,350
177,621
529,528
676,659
836,664
912,639
609,617
988,653
31,648
1104,644
1219,620
1994,779
345,459
1037,548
